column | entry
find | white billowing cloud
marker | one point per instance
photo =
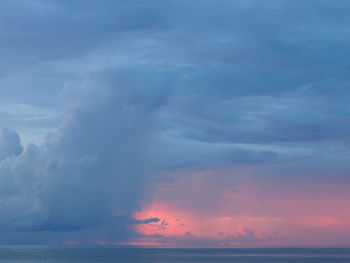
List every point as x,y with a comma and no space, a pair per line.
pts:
92,167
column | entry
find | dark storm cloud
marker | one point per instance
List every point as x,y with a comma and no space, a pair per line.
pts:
93,167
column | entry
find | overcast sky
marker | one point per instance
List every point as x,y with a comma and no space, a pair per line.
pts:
150,122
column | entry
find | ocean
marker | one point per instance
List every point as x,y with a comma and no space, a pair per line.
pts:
24,254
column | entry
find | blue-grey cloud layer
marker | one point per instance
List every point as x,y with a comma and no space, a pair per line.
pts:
175,84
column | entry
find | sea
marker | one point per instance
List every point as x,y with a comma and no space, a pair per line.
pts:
25,254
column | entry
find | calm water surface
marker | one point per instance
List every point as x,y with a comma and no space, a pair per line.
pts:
131,255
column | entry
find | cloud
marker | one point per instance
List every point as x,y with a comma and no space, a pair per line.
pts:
264,119
172,153
251,83
241,56
92,168
149,220
10,144
243,237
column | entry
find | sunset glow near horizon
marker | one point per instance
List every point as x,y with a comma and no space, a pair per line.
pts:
251,214
175,123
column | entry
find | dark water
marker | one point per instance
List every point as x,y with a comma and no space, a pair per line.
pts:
132,255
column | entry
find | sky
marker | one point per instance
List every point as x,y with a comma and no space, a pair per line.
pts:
175,123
